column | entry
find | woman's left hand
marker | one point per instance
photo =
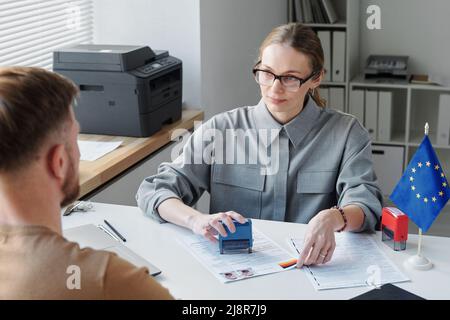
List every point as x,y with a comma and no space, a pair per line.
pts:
319,241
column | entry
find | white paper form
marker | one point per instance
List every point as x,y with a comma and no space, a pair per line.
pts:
357,261
266,257
93,150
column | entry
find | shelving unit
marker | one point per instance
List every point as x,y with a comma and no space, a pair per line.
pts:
420,105
409,99
348,15
335,26
413,104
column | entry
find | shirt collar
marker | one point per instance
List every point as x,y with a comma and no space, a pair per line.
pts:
296,129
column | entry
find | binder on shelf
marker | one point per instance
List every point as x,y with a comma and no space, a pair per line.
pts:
314,11
337,98
356,105
338,57
329,11
325,40
308,15
325,94
299,12
385,116
323,12
371,113
320,17
292,7
443,128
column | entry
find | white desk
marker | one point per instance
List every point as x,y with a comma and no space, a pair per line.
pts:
186,278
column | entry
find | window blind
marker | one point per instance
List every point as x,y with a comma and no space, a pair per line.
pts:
30,30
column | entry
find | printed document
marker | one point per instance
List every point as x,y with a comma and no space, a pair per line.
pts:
357,261
93,150
266,257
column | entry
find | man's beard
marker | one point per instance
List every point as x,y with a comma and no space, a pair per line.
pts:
71,186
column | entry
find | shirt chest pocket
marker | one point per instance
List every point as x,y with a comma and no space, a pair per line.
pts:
311,182
237,188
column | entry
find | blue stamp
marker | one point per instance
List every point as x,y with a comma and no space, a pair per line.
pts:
241,240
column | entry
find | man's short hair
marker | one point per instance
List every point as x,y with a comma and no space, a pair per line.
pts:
34,103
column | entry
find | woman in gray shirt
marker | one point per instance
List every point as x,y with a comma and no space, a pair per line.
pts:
287,159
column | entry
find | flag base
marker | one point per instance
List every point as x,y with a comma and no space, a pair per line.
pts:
419,263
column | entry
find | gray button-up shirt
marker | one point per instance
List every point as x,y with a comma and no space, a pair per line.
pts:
251,164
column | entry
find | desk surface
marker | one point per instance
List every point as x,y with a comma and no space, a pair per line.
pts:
186,278
95,173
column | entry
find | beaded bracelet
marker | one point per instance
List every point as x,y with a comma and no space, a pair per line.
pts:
343,217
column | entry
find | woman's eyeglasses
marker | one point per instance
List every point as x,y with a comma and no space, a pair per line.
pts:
291,83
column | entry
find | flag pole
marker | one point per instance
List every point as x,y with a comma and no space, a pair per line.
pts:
419,246
418,261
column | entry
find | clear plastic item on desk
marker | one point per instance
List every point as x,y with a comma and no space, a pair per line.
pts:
79,206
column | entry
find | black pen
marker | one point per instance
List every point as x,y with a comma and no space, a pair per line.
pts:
295,247
115,231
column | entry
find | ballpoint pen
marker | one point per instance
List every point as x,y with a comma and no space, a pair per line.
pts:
108,232
115,231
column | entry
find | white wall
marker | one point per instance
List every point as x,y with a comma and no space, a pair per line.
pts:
416,28
231,32
172,25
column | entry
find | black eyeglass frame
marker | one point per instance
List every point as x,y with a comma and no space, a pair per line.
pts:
279,77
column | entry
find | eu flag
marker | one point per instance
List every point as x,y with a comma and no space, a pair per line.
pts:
423,189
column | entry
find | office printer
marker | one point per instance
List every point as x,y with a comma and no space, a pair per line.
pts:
386,67
124,90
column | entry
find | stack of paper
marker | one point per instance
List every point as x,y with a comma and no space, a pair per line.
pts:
266,257
93,150
357,261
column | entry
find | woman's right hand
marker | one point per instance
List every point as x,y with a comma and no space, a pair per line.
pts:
209,225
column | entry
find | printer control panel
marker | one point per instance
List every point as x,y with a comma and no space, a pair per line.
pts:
155,65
